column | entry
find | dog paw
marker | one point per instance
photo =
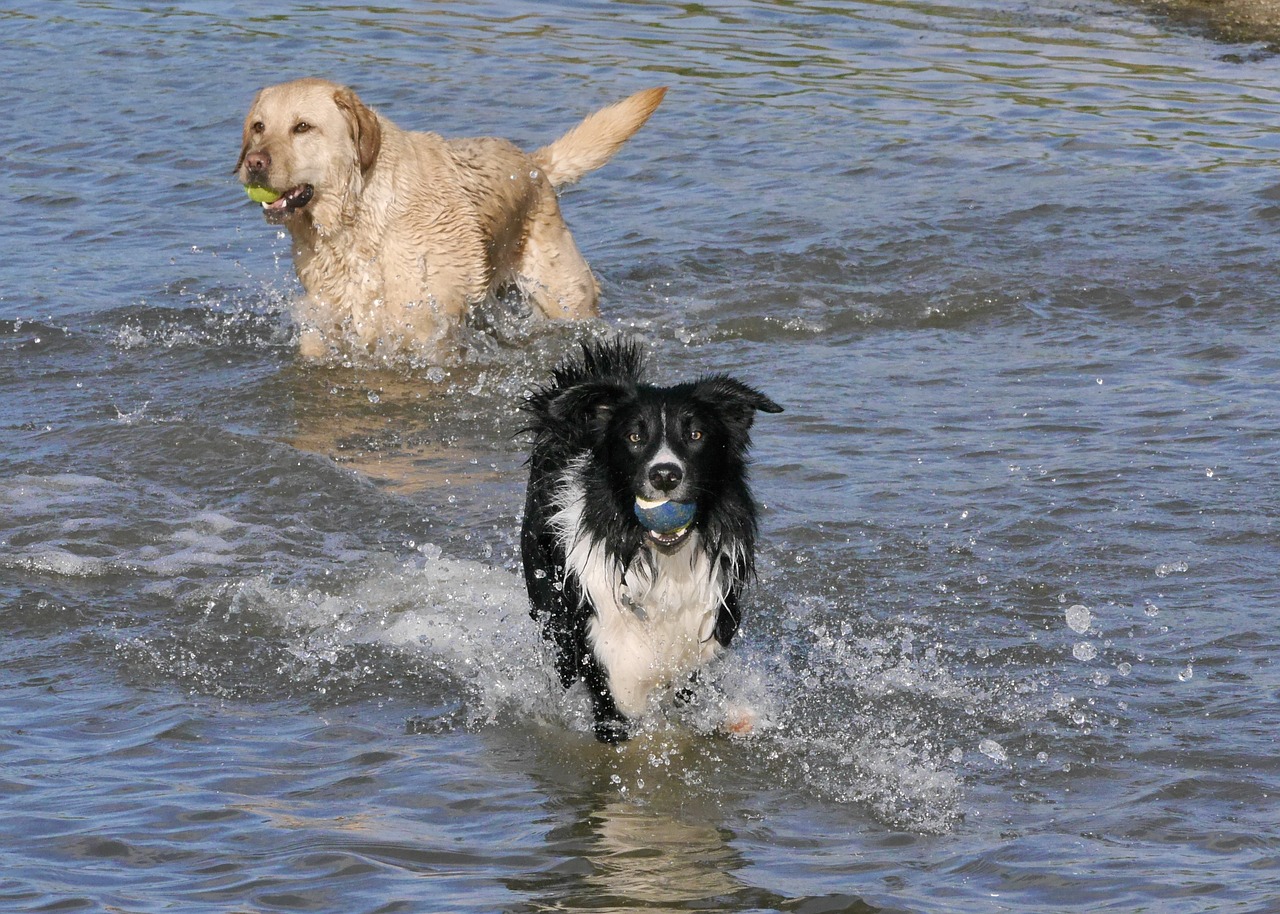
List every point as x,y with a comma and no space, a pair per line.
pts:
611,731
312,346
739,722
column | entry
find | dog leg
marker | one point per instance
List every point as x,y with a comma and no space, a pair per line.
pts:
685,695
610,724
312,345
552,272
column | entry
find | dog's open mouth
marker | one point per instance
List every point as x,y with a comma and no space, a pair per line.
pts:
289,202
669,541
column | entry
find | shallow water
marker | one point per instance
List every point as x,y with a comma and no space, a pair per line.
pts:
1008,266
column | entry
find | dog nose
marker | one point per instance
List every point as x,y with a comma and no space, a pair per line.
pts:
258,162
665,476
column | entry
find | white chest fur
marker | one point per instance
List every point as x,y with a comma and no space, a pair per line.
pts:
653,626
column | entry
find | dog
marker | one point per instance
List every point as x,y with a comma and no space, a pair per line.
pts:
634,596
396,234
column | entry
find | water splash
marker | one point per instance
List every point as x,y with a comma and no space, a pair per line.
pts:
858,721
1079,618
871,717
993,750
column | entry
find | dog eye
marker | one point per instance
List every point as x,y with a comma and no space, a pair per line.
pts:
695,434
301,127
635,437
258,127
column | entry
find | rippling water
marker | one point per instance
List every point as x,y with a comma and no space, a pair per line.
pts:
1009,266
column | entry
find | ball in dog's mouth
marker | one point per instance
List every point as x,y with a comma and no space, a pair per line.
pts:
275,205
666,521
260,194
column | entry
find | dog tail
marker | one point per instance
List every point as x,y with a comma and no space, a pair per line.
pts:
593,142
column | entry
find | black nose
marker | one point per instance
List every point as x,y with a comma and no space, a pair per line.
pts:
665,476
257,163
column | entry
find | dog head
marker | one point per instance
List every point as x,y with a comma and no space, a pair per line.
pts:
675,443
309,141
687,443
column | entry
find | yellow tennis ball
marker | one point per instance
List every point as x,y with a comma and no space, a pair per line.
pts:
259,194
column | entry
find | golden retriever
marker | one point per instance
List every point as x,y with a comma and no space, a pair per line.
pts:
397,233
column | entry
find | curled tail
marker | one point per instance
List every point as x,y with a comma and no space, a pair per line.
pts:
594,141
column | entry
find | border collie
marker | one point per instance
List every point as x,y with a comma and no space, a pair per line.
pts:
639,527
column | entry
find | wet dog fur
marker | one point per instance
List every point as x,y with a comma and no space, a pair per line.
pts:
397,233
631,613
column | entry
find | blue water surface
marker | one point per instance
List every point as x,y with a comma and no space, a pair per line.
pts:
1010,269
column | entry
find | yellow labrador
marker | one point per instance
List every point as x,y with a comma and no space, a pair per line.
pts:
396,233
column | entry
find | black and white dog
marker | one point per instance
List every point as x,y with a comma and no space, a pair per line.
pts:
639,528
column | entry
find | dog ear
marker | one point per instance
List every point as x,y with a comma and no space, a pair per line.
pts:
244,140
735,401
588,407
244,151
366,132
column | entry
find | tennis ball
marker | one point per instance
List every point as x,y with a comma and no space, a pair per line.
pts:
665,516
259,194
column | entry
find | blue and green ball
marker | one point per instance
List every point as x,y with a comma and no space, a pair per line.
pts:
665,517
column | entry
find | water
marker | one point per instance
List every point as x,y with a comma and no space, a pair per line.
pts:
1009,267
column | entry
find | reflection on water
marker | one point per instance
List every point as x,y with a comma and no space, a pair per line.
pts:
645,832
632,859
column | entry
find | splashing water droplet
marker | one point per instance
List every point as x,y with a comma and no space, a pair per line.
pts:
1186,674
1079,618
993,750
1084,651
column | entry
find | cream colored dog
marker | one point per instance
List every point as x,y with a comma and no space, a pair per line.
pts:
397,233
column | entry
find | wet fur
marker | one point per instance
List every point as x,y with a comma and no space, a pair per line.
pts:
632,619
403,231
